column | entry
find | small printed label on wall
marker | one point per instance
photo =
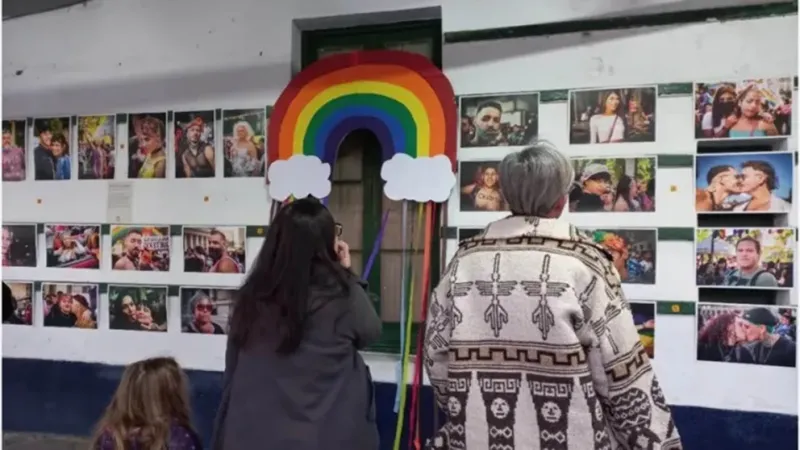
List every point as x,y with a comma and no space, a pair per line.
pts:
119,207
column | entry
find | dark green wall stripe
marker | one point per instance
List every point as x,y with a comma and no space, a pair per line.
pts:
675,161
554,96
664,233
675,89
675,308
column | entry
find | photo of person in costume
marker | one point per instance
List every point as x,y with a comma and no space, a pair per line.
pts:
244,142
137,308
147,141
499,120
613,185
194,144
480,186
633,252
605,116
206,310
72,246
96,143
70,305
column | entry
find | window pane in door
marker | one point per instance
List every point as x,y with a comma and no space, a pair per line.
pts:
424,48
330,51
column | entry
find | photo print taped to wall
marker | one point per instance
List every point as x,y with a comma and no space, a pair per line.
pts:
499,119
746,258
70,305
194,144
633,252
744,182
743,109
747,334
244,142
51,148
613,185
72,246
14,150
147,145
206,310
19,245
140,247
479,184
97,138
22,295
214,250
614,115
137,308
644,317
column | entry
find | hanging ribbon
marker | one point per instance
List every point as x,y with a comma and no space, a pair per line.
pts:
413,432
376,247
401,366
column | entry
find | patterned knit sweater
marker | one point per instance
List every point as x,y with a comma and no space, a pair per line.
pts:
530,344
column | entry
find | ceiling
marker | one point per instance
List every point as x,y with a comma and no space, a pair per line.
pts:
13,9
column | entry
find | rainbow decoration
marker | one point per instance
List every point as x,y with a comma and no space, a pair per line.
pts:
401,97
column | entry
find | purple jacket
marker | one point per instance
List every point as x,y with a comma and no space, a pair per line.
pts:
180,438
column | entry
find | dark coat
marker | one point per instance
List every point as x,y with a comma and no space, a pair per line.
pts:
319,397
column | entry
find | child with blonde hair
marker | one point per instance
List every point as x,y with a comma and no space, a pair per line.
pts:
149,411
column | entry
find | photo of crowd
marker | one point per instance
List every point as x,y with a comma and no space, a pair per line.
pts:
244,142
633,252
96,142
14,150
744,182
604,116
214,250
70,305
480,186
147,143
466,233
19,245
137,308
144,248
206,310
613,185
764,335
743,109
499,120
51,150
72,246
194,144
745,257
22,300
644,317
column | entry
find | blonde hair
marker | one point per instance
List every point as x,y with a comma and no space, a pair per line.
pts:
152,395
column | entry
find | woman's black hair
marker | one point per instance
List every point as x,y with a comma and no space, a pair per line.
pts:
624,190
297,256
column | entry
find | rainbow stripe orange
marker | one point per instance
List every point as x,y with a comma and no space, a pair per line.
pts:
401,97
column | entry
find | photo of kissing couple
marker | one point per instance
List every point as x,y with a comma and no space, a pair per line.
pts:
744,182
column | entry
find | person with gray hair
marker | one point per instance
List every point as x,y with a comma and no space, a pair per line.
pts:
529,327
199,310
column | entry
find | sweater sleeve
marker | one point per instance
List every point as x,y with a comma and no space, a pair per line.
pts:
632,400
438,331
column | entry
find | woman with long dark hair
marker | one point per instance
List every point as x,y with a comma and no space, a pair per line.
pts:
293,375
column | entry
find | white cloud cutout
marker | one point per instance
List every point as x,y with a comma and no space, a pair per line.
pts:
300,176
418,179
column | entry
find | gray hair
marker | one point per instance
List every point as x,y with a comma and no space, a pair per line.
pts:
534,179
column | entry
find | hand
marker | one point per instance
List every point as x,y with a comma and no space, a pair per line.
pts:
767,117
343,253
730,121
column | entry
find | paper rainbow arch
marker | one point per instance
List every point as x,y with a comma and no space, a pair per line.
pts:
401,97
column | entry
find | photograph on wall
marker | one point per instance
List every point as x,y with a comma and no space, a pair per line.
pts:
147,143
747,334
19,245
70,305
51,148
644,317
194,144
214,250
633,252
746,109
140,247
14,150
206,310
467,233
97,138
613,185
244,142
605,116
137,308
499,120
745,257
22,302
75,246
480,186
744,182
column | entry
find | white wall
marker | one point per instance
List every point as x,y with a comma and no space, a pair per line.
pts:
152,55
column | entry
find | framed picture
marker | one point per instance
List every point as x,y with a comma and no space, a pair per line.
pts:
214,250
72,246
633,250
644,317
206,310
140,247
52,159
747,334
479,184
613,185
14,150
749,258
147,143
194,144
137,308
744,182
612,115
70,305
22,296
743,109
97,139
19,245
244,142
499,119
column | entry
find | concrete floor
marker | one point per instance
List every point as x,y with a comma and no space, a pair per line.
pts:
33,441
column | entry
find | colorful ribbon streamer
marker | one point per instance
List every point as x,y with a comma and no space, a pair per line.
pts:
398,378
376,247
